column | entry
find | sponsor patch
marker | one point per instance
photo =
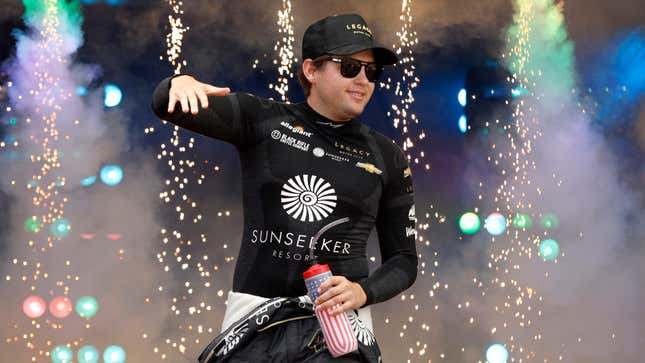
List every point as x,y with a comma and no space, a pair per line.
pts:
294,246
290,140
412,215
297,129
370,168
351,150
308,198
359,29
411,231
320,152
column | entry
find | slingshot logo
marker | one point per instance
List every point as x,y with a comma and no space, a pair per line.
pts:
308,198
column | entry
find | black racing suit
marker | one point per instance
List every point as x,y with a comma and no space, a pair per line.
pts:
301,171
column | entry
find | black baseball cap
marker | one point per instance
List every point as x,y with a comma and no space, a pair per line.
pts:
343,34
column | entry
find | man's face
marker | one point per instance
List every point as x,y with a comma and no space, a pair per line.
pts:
343,98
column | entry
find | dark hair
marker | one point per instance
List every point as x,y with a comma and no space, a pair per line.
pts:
304,82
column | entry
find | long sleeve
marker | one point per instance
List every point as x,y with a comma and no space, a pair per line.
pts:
395,225
227,118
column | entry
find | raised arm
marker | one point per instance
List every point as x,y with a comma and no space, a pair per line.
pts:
219,117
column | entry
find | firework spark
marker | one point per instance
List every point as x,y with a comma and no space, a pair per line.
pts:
189,302
401,112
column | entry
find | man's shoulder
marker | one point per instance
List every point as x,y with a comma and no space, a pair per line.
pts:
385,143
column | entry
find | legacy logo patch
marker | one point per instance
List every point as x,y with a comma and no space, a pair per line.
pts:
351,150
359,29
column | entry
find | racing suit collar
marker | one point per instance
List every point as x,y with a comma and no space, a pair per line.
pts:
322,120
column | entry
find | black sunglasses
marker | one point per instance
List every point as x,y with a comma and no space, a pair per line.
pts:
350,67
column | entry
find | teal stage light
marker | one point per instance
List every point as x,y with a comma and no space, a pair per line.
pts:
495,224
88,181
111,175
88,354
114,354
112,95
469,223
463,124
549,249
87,306
62,354
461,97
60,228
496,353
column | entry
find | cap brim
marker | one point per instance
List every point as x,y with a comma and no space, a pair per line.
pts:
382,55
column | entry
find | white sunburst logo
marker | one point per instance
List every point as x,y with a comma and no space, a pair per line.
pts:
308,198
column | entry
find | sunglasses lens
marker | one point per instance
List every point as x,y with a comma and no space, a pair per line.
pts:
373,71
349,68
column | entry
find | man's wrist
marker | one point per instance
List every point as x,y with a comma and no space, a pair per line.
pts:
363,284
179,75
362,294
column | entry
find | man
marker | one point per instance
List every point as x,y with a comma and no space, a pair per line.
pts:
305,167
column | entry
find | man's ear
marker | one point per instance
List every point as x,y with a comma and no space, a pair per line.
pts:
308,69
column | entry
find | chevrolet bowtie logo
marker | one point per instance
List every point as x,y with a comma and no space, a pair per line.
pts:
370,168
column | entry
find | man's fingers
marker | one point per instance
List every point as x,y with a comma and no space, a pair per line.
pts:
336,287
203,99
332,281
338,304
184,103
172,101
217,91
329,294
190,96
340,308
194,106
331,302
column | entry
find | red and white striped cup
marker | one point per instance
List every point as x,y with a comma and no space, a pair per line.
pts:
336,328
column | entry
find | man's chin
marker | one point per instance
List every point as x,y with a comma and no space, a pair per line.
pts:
355,110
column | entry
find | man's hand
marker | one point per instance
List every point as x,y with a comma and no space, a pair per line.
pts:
187,90
341,295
